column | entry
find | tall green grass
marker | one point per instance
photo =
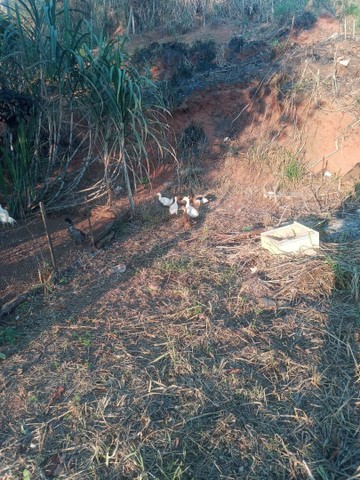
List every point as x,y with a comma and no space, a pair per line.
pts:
352,9
90,104
17,172
285,9
180,16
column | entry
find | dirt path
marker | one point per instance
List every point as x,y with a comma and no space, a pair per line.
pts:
25,251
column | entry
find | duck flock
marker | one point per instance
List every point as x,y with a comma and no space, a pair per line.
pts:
189,204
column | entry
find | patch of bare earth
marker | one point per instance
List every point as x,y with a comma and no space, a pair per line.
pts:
208,358
25,250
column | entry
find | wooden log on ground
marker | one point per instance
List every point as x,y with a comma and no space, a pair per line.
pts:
11,305
107,230
106,240
103,234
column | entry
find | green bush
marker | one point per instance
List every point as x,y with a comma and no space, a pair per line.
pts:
294,170
284,10
353,10
87,97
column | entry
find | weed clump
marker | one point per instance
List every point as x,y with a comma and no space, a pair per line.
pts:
203,55
285,10
236,44
142,56
177,59
293,169
191,148
305,21
192,143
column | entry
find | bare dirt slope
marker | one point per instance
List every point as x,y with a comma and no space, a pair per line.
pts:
302,98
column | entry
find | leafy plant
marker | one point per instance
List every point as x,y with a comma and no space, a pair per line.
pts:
82,95
17,172
7,335
341,276
173,470
85,340
294,170
353,10
285,9
26,474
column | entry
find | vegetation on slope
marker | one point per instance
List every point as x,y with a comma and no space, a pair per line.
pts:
69,98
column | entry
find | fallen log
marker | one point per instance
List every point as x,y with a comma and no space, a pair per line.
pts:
106,240
11,305
103,234
109,227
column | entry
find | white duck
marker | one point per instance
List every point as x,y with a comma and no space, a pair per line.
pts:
5,217
174,208
189,209
199,200
165,201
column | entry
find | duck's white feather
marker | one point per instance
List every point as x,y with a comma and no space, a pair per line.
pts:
174,208
190,210
5,217
165,201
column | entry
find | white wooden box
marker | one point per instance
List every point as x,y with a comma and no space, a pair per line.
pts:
294,238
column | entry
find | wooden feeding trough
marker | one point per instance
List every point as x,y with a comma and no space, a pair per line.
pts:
294,238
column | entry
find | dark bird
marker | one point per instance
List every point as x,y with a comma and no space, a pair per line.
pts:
77,235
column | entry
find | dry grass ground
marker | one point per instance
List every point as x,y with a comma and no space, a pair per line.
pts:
190,365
